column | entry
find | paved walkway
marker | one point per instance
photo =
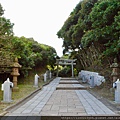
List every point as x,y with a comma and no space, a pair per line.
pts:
52,102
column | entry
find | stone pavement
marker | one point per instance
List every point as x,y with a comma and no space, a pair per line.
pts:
52,102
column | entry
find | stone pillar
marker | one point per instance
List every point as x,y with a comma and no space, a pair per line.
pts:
15,73
115,72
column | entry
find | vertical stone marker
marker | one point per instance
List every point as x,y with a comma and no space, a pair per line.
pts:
92,81
36,80
45,77
84,79
50,75
116,85
7,91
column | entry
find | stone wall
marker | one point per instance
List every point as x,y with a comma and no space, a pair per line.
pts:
98,79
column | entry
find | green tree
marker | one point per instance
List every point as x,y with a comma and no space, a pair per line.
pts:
6,33
93,27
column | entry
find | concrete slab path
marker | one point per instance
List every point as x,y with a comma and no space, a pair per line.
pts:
52,102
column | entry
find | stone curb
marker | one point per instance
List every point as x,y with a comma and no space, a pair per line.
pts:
27,97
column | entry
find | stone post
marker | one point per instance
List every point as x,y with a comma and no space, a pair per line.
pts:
50,75
92,81
47,74
15,73
83,79
117,91
115,71
45,77
36,80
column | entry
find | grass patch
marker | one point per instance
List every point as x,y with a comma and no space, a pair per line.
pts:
105,90
25,88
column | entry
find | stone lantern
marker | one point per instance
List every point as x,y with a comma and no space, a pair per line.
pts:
15,73
115,72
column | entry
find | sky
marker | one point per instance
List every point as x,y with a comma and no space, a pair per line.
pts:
39,19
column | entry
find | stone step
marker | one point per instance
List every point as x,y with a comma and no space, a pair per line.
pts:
69,82
71,88
68,79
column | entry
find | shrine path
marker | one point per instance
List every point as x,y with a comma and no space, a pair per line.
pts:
62,98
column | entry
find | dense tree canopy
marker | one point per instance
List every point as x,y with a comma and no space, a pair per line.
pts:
93,28
75,26
6,32
31,53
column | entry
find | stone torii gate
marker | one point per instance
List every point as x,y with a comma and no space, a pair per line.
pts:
66,62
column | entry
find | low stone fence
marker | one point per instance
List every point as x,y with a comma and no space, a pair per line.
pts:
91,77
